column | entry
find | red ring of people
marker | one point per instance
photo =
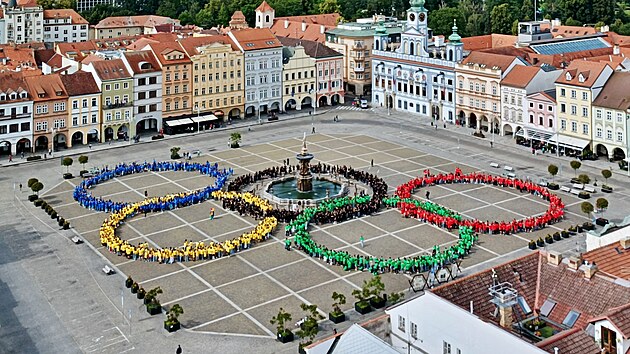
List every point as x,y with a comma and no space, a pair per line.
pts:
554,212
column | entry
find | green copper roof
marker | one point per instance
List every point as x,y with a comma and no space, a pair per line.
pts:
454,37
417,4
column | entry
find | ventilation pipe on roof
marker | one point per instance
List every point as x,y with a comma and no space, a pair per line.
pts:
616,49
589,269
286,23
472,308
625,243
554,258
303,26
556,350
322,29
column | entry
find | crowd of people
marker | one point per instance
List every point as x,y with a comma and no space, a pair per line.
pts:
190,250
443,217
87,200
418,264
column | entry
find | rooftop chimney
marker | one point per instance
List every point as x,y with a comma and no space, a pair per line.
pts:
556,350
322,29
616,49
625,243
575,262
554,257
589,270
286,23
303,26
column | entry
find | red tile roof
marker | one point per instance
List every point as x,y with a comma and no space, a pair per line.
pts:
256,39
299,30
589,70
46,87
608,259
80,83
520,76
191,44
488,41
490,60
572,31
66,13
619,317
573,341
11,81
111,69
264,7
133,21
311,48
12,58
536,280
136,59
321,19
170,53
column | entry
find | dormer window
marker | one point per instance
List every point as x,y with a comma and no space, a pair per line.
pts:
145,66
40,95
13,96
568,77
3,97
581,78
23,95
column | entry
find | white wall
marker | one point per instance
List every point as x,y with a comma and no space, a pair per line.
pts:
440,321
622,345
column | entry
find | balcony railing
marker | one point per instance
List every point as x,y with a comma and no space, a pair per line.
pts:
358,69
117,105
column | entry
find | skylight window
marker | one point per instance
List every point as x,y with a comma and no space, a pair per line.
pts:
523,304
571,318
547,307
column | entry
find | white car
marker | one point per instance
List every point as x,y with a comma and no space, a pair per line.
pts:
364,104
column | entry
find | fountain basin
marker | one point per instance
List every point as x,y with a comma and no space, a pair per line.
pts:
284,191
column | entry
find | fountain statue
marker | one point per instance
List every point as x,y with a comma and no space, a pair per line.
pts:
305,178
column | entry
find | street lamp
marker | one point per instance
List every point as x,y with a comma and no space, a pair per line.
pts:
198,121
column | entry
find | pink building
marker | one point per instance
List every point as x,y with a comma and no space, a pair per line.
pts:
541,119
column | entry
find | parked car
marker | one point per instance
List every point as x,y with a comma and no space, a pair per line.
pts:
364,104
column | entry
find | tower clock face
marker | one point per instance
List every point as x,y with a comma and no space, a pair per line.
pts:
412,17
421,17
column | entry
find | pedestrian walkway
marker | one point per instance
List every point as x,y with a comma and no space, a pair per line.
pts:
352,108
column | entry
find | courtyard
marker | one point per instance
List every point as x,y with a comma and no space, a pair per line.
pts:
239,294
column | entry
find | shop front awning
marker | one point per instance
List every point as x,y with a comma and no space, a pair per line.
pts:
569,142
535,134
178,122
206,118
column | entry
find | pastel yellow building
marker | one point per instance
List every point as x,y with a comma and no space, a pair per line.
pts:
217,82
576,89
300,78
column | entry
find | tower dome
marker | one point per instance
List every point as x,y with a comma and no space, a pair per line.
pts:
454,37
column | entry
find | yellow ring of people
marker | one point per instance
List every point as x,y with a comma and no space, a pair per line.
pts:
189,251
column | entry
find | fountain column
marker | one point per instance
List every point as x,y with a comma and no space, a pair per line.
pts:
305,178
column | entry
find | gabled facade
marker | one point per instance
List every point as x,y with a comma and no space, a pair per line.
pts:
478,89
218,76
263,69
176,78
576,89
16,114
50,101
64,25
299,78
611,117
147,91
84,108
515,88
116,85
418,76
540,121
612,330
117,26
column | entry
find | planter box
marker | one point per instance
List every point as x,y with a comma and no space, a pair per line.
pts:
549,240
140,295
336,317
32,197
565,234
285,337
67,176
134,290
540,243
588,226
156,137
172,327
154,310
557,237
601,221
377,303
584,195
553,186
362,307
234,146
34,157
607,190
532,246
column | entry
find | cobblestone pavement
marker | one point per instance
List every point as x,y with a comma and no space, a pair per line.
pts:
59,301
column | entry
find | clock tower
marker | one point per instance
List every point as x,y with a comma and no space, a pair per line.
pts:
417,16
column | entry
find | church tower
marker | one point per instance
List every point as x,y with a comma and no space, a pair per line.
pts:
264,15
417,20
454,47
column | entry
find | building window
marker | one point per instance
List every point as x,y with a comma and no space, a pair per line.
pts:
563,124
598,114
414,330
574,127
549,305
608,115
573,94
563,92
584,96
609,134
446,348
619,136
584,112
573,110
401,321
598,132
563,108
571,318
585,129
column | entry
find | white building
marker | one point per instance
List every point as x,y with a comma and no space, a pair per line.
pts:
418,76
430,324
611,117
84,5
16,114
515,86
263,69
22,22
64,26
147,90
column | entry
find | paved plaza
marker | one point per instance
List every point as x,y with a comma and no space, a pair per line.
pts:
239,294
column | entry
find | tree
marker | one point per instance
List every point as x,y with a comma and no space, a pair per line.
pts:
377,287
575,165
101,11
31,181
235,139
571,22
584,178
175,152
67,161
83,160
553,170
501,19
329,7
287,7
279,320
310,326
173,314
339,299
527,10
151,296
606,174
601,204
36,187
57,4
604,10
475,26
587,208
441,21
